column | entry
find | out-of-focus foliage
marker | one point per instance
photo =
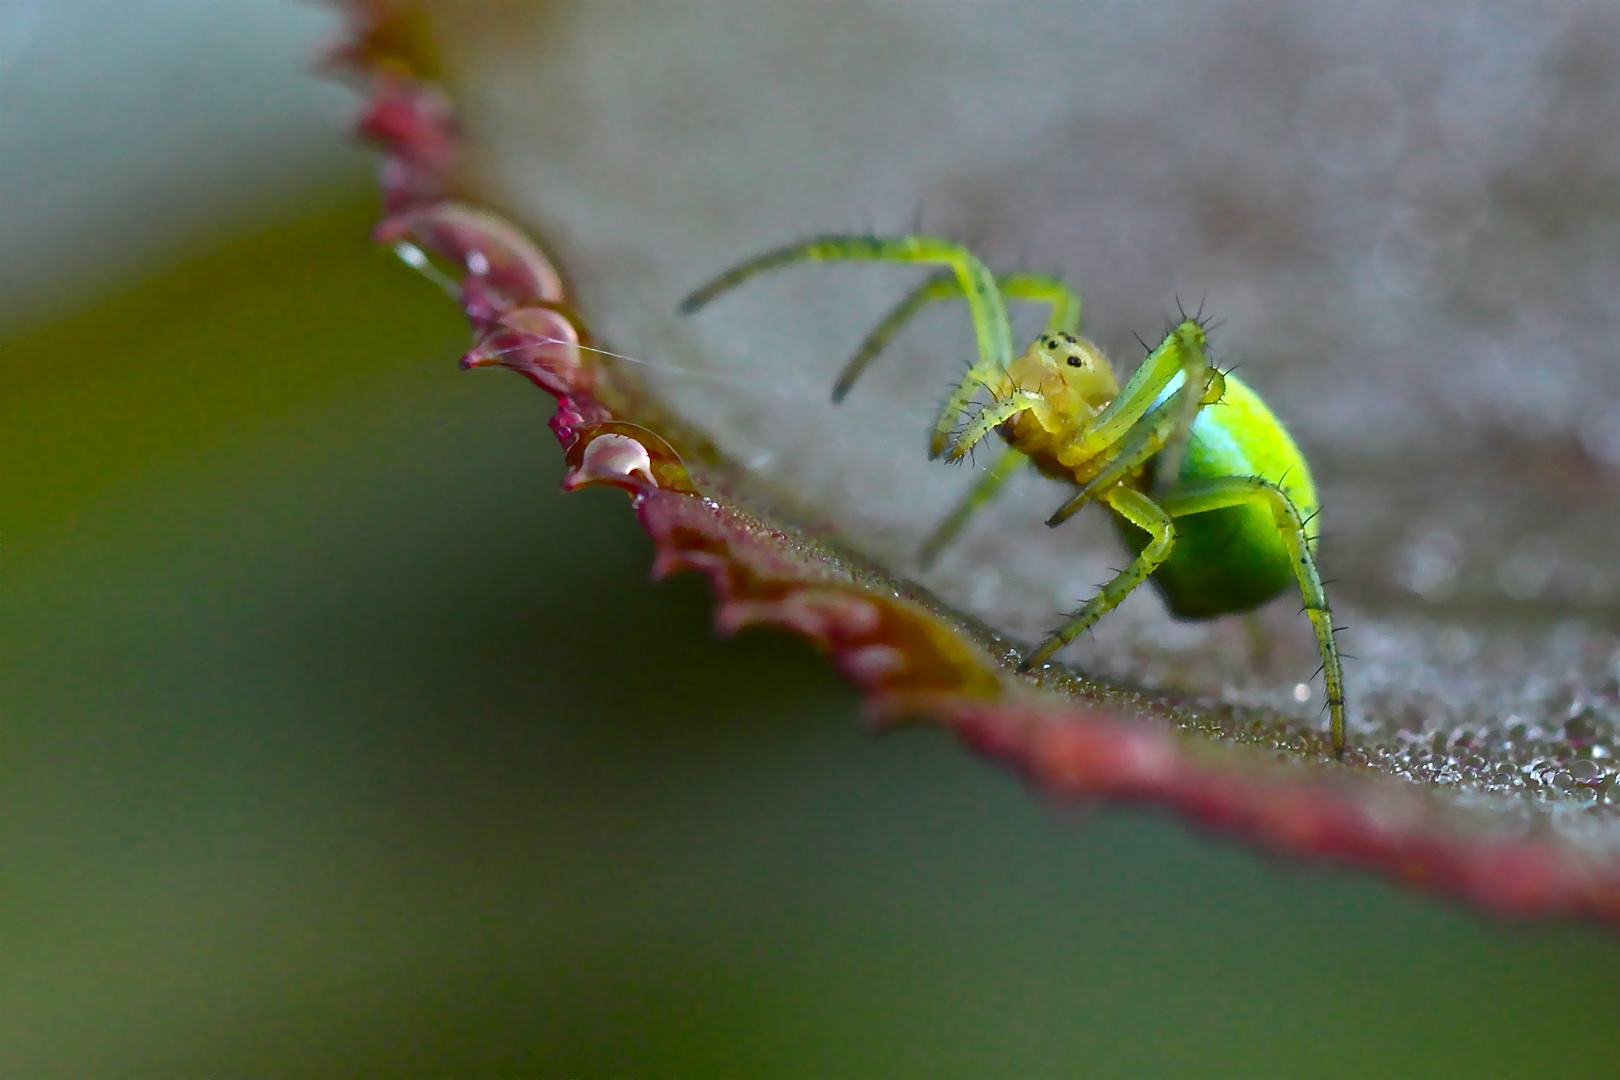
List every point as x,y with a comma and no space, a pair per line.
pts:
133,132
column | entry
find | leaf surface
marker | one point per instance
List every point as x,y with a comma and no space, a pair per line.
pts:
1400,214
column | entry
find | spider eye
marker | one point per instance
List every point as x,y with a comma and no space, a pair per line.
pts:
1075,361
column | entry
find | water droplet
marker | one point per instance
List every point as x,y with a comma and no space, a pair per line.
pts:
1585,771
614,456
1302,692
627,456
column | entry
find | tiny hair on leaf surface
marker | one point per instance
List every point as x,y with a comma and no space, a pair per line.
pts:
1467,493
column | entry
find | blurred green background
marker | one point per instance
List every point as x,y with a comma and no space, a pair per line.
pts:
335,741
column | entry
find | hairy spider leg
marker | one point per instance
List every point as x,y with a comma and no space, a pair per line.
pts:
1064,317
1146,515
989,310
992,416
1218,493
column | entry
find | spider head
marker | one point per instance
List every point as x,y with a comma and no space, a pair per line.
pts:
1070,372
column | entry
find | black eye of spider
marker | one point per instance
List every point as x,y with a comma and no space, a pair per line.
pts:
1075,361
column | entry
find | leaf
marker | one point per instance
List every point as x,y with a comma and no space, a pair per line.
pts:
1415,259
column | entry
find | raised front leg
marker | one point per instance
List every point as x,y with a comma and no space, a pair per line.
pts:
1145,514
1200,496
992,416
1196,378
1181,353
1149,437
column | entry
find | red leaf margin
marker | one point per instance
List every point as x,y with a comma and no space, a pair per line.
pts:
909,660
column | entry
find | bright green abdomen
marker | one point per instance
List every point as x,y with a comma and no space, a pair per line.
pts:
1232,559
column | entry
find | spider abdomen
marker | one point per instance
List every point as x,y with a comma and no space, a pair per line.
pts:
1232,559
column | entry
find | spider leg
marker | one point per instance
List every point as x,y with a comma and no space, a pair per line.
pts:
1189,398
1064,318
989,310
1146,515
1199,496
990,417
1041,289
939,287
1148,437
983,490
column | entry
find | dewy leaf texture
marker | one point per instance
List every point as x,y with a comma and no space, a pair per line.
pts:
1403,215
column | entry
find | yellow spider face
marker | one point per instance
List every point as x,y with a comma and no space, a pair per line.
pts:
1073,378
1068,371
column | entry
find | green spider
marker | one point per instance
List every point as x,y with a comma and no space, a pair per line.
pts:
1207,488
